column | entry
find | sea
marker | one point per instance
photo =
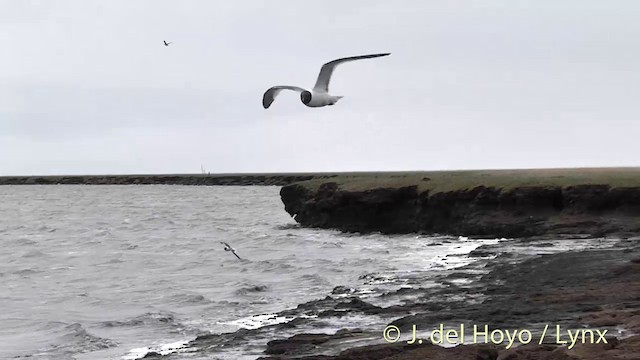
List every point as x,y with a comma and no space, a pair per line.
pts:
123,271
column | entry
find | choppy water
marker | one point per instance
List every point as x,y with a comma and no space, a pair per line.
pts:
112,272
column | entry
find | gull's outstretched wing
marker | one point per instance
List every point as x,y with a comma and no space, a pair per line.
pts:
225,244
322,84
234,253
270,95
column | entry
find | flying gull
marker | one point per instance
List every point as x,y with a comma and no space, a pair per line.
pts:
166,43
228,247
319,95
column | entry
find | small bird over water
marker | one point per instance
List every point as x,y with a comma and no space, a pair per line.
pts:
228,247
319,95
166,43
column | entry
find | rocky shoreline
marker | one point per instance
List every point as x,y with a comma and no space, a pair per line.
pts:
523,203
593,289
596,290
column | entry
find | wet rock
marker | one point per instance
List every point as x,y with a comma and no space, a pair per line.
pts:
409,352
359,305
301,343
152,355
479,252
341,290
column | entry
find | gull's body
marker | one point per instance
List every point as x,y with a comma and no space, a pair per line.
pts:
318,96
228,247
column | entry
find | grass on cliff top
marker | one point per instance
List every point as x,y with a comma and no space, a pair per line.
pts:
443,181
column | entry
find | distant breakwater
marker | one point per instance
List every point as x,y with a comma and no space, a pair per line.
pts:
194,179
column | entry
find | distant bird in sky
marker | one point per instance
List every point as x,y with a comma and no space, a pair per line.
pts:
319,95
166,43
228,247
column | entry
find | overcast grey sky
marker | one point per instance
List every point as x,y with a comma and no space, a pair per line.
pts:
87,87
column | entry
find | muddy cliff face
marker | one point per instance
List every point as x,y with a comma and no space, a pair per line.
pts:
595,210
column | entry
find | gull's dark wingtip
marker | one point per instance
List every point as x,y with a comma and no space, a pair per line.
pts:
371,56
265,102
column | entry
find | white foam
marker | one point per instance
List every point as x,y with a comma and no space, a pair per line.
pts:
457,255
623,333
164,349
258,321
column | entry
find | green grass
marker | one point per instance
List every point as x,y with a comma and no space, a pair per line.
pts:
443,181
